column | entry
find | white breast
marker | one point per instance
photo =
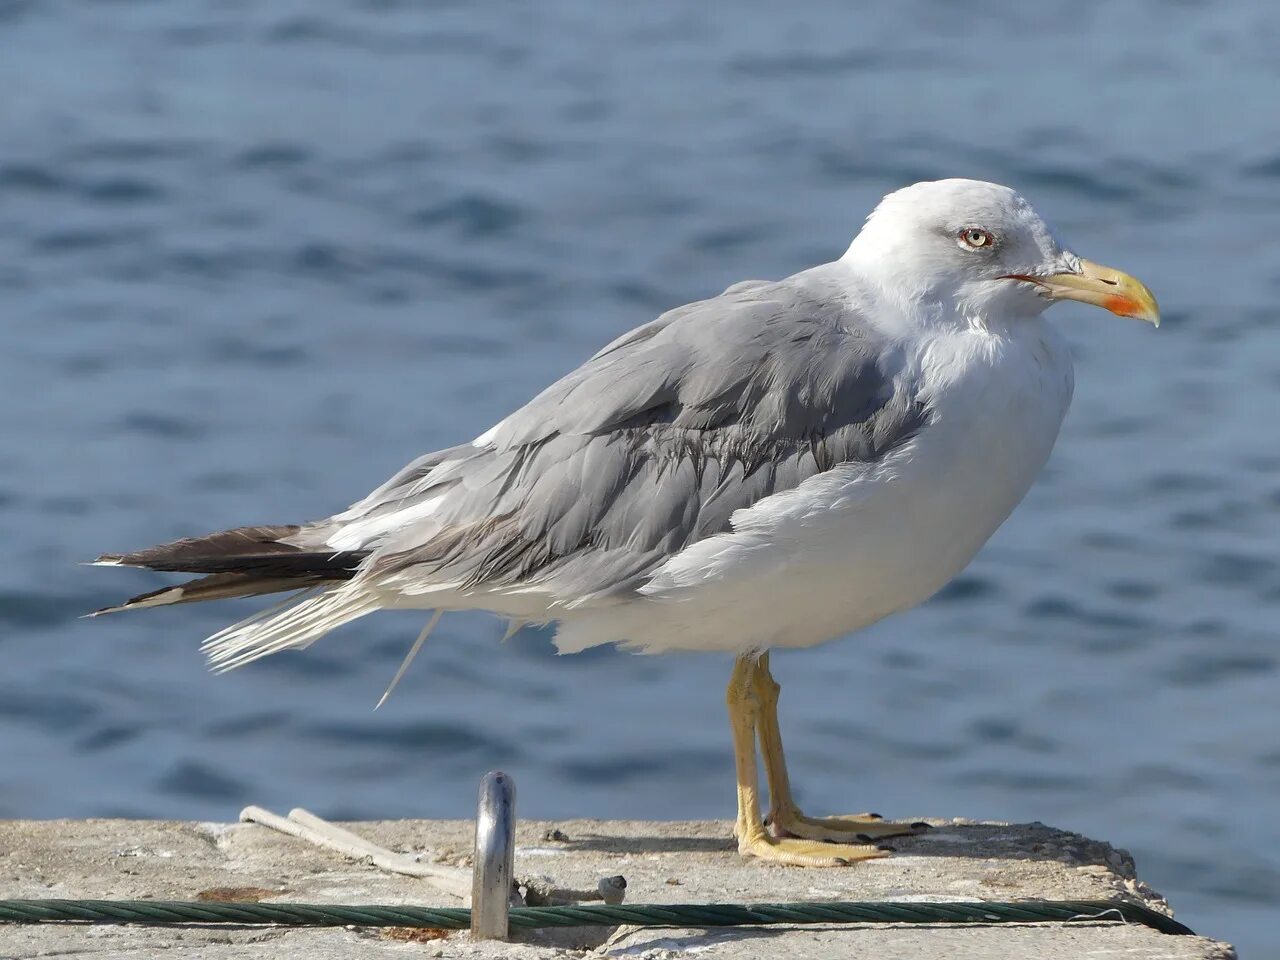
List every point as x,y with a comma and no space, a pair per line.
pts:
858,543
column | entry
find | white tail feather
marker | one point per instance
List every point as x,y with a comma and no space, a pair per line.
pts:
298,625
408,657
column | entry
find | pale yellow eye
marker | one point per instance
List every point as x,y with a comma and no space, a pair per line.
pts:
976,238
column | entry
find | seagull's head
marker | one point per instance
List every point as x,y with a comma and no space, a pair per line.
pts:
979,250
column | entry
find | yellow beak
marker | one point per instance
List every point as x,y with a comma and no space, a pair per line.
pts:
1102,286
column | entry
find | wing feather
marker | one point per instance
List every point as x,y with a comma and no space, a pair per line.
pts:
650,446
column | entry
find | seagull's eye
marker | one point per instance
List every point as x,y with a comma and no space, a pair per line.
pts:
977,238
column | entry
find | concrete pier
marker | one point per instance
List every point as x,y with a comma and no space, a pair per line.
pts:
663,862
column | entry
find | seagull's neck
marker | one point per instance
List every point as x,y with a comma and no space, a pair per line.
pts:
896,306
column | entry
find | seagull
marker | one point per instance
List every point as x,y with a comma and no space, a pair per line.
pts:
773,467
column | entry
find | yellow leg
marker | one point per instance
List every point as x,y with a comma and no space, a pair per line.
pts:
753,840
784,815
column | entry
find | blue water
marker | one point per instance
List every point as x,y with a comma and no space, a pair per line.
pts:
255,256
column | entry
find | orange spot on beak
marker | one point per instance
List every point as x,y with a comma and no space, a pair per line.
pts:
1123,306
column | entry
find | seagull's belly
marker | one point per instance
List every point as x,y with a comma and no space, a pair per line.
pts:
858,543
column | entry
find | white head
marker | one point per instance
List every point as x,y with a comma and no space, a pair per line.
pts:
979,251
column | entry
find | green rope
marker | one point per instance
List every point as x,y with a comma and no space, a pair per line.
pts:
642,914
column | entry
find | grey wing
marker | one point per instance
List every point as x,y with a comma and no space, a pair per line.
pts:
652,445
423,478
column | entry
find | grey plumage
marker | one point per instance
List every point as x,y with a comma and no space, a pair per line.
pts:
654,443
648,447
